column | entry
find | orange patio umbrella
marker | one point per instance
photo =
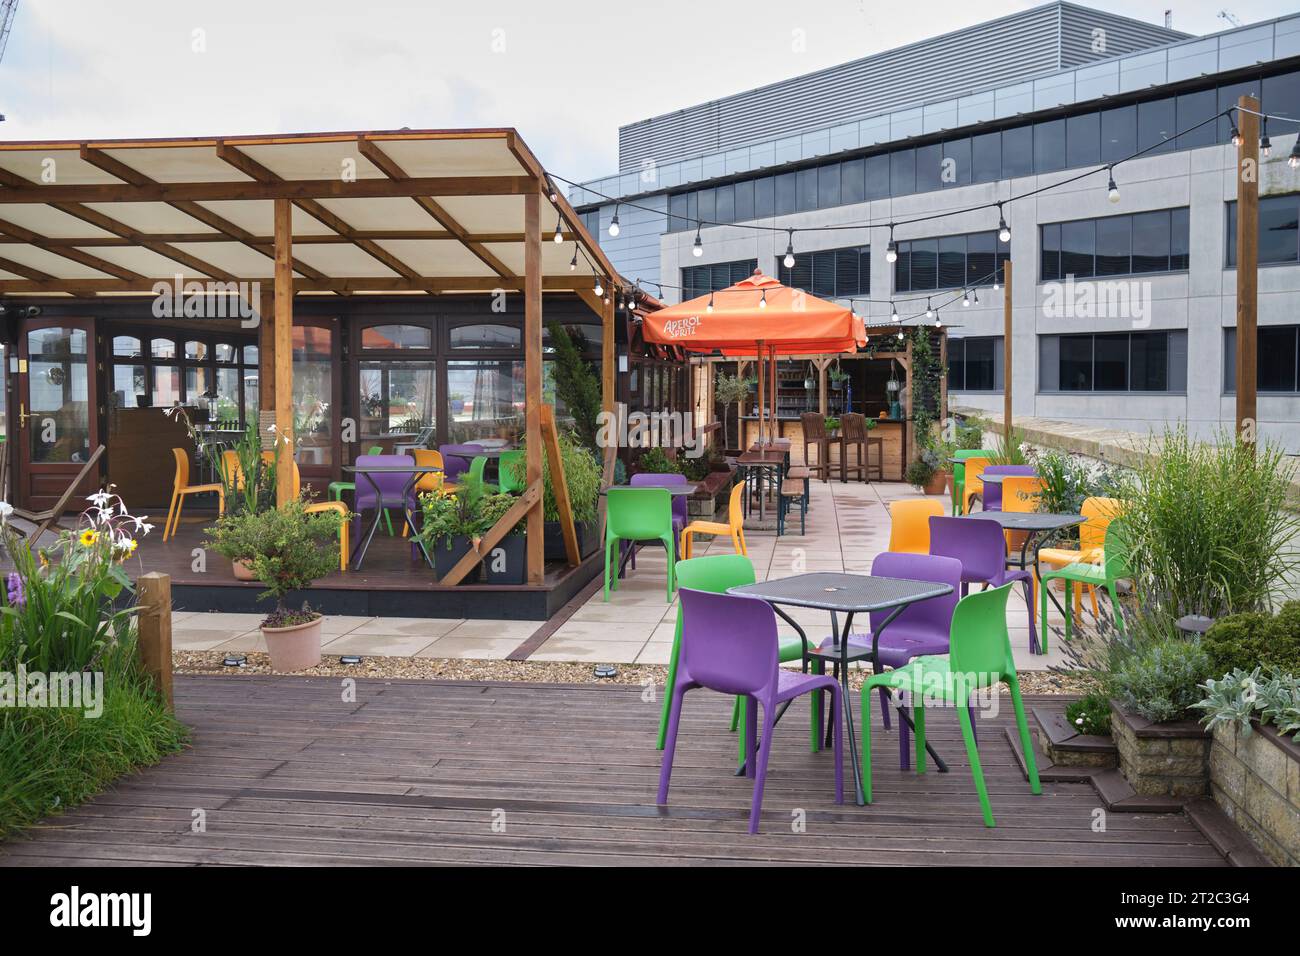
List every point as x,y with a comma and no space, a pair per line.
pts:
757,316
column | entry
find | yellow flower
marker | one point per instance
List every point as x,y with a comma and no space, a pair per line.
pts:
89,537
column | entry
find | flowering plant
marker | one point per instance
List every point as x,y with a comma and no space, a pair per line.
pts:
59,613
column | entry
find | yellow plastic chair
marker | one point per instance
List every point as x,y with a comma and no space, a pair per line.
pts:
909,524
1092,535
181,487
1020,493
735,525
428,458
974,482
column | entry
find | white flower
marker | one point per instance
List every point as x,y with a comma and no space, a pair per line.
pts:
6,509
99,499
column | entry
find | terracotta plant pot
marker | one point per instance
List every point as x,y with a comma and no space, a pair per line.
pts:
294,648
243,571
937,484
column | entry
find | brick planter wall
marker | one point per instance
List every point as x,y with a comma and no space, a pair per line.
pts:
1161,760
1255,779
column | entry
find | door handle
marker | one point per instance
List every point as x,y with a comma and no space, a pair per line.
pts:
22,415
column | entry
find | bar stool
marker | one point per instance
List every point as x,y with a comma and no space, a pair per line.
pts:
854,431
814,433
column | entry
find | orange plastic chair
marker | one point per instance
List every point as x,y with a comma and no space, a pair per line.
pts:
1020,493
428,458
735,525
974,482
909,524
1092,535
182,487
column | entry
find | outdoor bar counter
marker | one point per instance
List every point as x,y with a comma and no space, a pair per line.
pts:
893,431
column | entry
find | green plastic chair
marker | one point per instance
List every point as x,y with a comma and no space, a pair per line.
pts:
511,480
959,474
638,514
476,467
979,655
717,573
336,488
1113,567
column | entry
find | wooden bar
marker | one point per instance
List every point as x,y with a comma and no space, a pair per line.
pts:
154,629
533,376
284,351
1248,173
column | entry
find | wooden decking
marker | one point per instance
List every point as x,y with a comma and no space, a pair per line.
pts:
419,772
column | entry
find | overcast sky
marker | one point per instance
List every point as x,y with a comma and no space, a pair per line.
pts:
566,74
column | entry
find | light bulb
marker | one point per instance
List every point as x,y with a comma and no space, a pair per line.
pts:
789,249
1234,135
929,312
938,323
559,234
613,223
900,335
893,312
1004,231
1294,159
1112,191
709,307
996,285
599,290
977,296
1265,146
891,251
965,300
697,250
573,263
762,303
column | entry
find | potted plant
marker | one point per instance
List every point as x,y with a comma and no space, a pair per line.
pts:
582,477
290,549
837,375
832,425
655,461
918,474
936,456
729,390
238,536
505,563
451,523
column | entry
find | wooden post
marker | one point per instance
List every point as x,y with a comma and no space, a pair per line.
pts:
284,351
761,390
1248,173
907,406
771,398
943,384
1006,353
551,439
154,626
533,376
266,350
823,405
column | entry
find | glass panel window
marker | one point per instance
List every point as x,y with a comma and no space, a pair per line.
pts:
980,262
764,197
1049,146
1114,246
1157,123
744,200
126,345
786,201
986,158
828,186
1076,363
981,363
163,348
1276,358
397,337
224,407
166,386
485,399
1110,363
929,167
1151,241
878,176
1083,140
250,355
806,189
957,162
678,210
57,385
196,351
1077,251
902,172
1118,133
1017,151
1194,108
199,389
1179,238
225,352
486,336
1277,229
1149,362
313,386
925,263
853,181
725,210
130,386
952,262
1050,265
707,205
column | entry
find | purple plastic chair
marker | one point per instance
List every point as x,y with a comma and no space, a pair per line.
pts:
679,508
729,645
981,547
456,458
391,486
919,629
993,490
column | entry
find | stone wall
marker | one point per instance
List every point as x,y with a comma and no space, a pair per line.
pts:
1255,779
1161,760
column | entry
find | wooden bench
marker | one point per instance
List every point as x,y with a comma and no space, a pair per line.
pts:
792,490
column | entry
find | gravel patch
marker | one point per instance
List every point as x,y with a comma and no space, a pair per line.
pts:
541,672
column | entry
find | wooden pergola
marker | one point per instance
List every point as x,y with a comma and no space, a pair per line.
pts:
418,212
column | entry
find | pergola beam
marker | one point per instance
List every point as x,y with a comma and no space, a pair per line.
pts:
143,284
265,244
393,171
76,255
293,189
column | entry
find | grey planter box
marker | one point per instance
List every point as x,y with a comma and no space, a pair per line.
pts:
1170,759
1255,780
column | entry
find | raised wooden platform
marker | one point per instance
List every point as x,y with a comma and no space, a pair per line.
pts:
419,772
391,583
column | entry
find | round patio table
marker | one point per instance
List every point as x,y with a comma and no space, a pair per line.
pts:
416,472
848,594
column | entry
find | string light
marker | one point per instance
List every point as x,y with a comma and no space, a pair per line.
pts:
573,263
599,289
1265,146
900,335
762,303
938,323
789,249
697,250
891,250
1234,135
559,233
555,194
929,310
1294,159
1112,191
709,307
1004,231
996,284
613,223
977,296
965,299
893,312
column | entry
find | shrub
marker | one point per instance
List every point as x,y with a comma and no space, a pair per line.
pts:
1253,639
1090,714
582,476
1240,697
576,384
290,549
1011,452
1157,677
697,469
918,473
1207,526
655,461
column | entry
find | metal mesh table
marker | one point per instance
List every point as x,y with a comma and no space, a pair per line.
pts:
846,594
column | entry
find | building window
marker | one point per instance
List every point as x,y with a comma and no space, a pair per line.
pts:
949,262
1115,246
1113,362
834,273
701,280
1279,218
1084,138
1277,359
975,364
